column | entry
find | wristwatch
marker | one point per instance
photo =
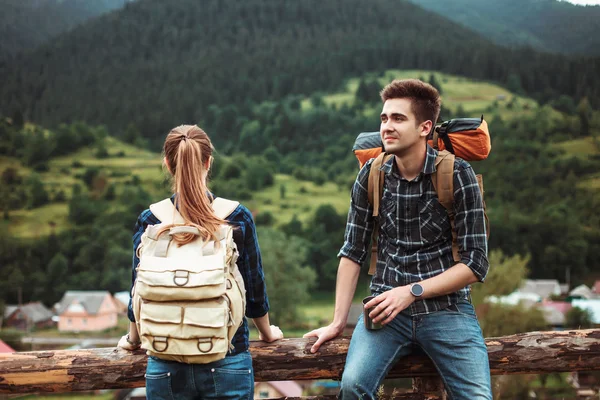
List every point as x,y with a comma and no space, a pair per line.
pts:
416,290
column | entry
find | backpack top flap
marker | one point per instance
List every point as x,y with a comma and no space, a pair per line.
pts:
467,138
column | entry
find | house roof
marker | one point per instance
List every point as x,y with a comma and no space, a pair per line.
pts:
122,297
4,348
89,300
561,306
286,388
526,299
9,309
543,287
591,305
34,312
552,316
582,291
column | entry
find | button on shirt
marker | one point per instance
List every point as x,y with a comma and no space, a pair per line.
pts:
249,264
415,235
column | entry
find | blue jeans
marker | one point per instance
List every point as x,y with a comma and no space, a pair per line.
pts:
451,338
229,378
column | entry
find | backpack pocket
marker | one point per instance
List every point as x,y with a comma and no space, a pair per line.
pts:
198,328
172,279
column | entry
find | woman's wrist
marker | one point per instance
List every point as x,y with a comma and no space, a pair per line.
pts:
132,342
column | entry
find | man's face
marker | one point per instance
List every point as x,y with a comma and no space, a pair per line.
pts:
399,128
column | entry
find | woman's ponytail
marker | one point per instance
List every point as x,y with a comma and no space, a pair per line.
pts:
187,151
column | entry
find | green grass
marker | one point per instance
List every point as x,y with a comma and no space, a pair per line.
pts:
301,199
475,97
582,148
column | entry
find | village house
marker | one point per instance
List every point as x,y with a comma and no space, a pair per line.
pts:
28,316
274,390
86,311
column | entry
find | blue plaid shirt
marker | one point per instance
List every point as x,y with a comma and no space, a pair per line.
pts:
415,236
249,263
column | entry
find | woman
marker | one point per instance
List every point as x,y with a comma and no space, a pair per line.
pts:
187,156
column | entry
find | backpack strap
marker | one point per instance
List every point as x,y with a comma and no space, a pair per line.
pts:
443,183
223,207
375,185
166,212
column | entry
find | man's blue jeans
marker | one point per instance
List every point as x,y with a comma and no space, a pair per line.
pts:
452,339
229,378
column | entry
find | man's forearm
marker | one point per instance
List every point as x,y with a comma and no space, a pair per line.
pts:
347,277
449,281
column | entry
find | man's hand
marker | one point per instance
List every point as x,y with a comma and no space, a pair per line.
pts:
323,335
389,304
275,334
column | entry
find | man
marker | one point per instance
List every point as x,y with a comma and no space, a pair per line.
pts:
422,294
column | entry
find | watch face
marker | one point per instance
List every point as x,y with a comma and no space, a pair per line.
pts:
416,290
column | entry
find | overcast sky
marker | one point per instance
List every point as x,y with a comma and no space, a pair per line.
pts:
591,2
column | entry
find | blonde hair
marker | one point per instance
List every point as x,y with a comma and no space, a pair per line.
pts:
187,150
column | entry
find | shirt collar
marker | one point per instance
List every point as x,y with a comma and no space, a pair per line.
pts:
428,167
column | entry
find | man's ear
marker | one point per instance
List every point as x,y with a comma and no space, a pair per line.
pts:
425,128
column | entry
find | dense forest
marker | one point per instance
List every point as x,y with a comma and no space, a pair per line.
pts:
539,205
25,24
156,64
546,25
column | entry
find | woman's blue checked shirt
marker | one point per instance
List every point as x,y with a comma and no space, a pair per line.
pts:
415,237
249,264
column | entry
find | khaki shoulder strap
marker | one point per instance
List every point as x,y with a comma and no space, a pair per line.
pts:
443,180
223,207
166,212
443,183
375,184
376,181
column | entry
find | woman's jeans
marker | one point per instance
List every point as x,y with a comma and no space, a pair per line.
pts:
451,338
229,378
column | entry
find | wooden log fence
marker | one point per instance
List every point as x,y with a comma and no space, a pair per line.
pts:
290,359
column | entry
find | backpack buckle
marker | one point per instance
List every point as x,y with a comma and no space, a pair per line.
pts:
160,344
181,277
202,345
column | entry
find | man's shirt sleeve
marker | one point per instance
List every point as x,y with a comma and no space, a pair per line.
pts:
470,221
250,266
359,225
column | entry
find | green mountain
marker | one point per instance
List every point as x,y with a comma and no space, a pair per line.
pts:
25,24
547,25
156,64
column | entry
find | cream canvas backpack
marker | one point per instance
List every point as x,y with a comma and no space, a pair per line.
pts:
188,300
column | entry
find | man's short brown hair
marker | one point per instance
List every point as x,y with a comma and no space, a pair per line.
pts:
425,98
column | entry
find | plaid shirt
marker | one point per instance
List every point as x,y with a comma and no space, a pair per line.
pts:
415,237
249,263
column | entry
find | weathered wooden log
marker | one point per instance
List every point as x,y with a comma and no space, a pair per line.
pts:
289,359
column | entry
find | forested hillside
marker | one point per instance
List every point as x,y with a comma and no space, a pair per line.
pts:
546,25
25,24
70,195
155,64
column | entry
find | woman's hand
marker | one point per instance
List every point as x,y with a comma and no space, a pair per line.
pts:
126,344
274,335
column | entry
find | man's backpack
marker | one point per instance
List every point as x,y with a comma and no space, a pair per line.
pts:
467,138
188,300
